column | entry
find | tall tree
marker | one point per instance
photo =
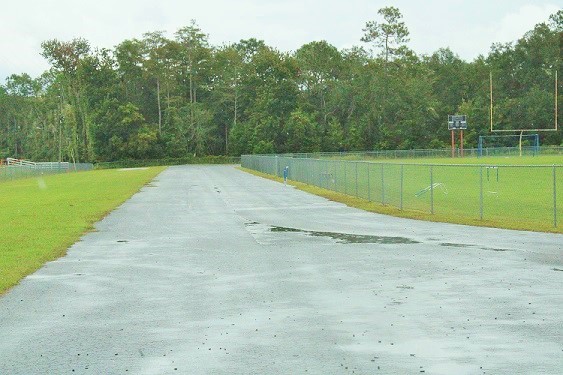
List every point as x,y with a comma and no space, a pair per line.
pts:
320,66
66,58
228,67
389,35
196,55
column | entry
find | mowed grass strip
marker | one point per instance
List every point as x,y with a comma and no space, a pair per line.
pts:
41,217
521,198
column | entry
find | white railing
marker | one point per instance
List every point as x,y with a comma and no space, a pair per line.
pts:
19,162
38,165
13,168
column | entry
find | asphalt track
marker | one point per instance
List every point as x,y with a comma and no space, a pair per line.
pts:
209,270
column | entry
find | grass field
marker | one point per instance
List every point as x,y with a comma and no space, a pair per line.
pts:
41,217
512,197
492,160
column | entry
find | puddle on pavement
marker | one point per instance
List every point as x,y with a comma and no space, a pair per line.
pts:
447,244
492,249
284,230
455,244
343,238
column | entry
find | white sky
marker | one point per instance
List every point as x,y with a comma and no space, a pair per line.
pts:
467,27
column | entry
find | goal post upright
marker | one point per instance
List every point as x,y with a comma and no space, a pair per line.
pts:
520,132
491,97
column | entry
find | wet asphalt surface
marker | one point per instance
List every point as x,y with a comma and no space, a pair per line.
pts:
209,270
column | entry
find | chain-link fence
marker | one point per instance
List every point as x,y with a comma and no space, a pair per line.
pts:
520,196
13,172
432,153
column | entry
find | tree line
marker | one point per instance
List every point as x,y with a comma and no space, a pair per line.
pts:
161,97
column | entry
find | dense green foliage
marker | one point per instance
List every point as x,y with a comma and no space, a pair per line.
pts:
41,217
159,97
136,163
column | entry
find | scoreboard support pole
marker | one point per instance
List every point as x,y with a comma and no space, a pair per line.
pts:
453,144
457,122
461,142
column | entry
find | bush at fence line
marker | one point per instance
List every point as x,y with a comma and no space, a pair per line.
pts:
133,163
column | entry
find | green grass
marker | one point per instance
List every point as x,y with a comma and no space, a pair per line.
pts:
522,198
41,217
491,160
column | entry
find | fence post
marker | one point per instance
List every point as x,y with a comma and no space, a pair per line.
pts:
332,168
321,177
345,180
369,187
432,190
481,192
324,174
317,165
313,169
313,172
328,175
554,197
321,171
401,193
310,171
382,185
356,179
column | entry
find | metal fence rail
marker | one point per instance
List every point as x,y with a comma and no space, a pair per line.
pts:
25,169
529,195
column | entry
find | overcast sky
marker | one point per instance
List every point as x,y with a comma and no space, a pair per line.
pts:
468,27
